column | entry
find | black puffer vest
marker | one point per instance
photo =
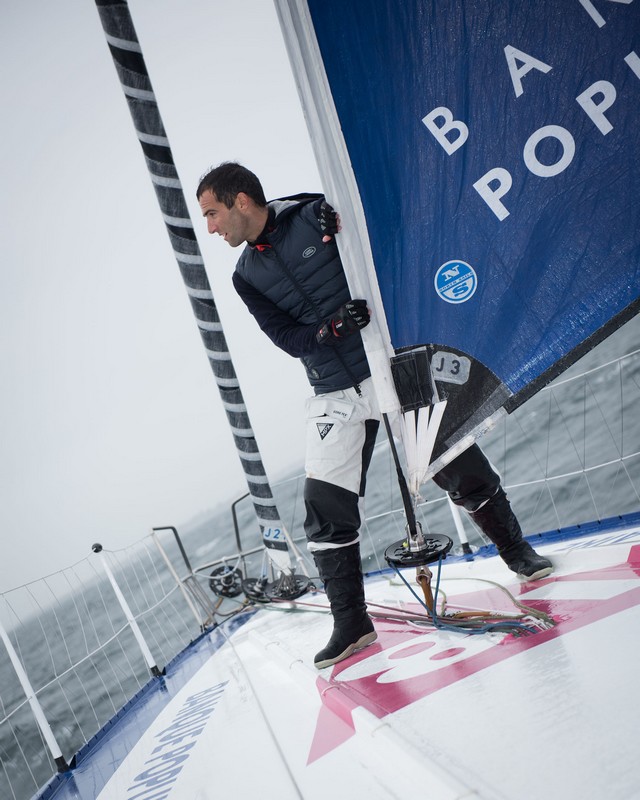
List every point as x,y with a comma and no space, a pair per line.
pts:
304,277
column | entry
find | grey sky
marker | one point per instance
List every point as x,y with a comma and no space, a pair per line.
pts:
111,419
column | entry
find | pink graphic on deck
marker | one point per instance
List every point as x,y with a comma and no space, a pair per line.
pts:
405,665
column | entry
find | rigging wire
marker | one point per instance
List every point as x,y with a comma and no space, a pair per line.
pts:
531,620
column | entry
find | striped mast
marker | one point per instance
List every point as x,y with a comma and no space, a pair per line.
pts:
136,84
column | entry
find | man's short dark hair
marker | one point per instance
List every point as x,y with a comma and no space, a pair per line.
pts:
226,180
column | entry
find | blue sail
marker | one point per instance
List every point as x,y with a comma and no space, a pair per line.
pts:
495,150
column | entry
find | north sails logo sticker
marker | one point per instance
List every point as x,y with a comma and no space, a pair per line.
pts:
308,252
456,282
324,428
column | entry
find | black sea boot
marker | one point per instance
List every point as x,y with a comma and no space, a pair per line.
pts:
341,572
497,521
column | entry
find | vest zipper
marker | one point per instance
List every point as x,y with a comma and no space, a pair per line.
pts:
313,305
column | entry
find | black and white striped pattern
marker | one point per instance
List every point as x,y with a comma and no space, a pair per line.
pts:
134,78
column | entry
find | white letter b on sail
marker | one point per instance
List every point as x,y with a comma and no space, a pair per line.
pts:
450,124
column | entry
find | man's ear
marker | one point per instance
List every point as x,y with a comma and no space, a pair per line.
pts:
242,201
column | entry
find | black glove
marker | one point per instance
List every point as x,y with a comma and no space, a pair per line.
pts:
328,219
348,319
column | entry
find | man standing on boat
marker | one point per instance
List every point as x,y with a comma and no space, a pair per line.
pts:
291,278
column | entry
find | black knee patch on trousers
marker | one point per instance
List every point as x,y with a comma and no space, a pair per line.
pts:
371,427
332,512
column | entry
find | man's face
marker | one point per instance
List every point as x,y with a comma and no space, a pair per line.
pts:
230,223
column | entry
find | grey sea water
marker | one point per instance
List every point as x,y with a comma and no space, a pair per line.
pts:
541,451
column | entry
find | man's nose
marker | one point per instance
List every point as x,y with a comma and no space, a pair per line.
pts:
211,226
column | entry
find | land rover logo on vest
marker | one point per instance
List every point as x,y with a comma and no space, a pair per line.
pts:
309,252
456,282
324,428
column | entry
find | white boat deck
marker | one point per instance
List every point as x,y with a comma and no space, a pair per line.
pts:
422,712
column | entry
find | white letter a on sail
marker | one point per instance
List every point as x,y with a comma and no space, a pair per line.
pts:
519,64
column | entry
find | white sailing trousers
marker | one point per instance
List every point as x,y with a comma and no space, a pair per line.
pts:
341,432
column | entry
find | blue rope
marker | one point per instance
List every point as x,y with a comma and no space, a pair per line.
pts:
490,626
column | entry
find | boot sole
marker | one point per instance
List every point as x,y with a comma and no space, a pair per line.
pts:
541,573
363,641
